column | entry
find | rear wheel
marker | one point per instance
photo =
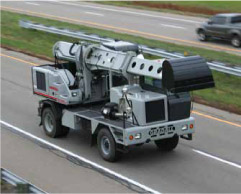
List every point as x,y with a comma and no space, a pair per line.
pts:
52,125
202,35
235,41
167,144
107,146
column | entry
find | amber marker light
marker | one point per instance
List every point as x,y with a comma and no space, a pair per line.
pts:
131,137
191,126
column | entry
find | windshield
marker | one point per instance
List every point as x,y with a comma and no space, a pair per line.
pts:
151,84
236,19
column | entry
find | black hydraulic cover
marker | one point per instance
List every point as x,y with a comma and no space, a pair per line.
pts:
179,106
186,74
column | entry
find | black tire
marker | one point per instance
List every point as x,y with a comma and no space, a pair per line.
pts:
202,35
167,144
65,131
236,41
52,125
107,146
139,144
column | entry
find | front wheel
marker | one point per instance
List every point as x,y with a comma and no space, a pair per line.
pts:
235,41
202,36
52,125
167,144
107,146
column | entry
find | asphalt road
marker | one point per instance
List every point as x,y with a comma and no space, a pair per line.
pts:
209,163
173,28
49,170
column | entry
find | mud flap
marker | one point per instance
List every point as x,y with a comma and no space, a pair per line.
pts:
186,137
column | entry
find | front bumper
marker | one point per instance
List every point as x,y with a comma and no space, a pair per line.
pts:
158,131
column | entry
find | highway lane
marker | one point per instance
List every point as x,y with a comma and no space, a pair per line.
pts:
156,25
180,171
51,171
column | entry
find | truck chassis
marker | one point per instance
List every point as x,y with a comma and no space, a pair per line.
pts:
113,137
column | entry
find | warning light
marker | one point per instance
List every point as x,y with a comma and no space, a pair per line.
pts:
131,137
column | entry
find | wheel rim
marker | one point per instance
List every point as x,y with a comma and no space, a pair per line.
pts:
48,122
201,36
105,145
235,42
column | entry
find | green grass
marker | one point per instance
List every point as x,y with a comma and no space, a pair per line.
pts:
217,6
227,91
226,94
232,6
7,188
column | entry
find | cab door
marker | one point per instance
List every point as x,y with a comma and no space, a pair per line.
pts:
217,27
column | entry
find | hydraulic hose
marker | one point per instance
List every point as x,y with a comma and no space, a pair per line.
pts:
72,46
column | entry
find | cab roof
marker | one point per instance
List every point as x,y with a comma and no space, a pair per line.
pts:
228,14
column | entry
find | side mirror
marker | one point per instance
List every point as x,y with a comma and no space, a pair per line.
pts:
210,22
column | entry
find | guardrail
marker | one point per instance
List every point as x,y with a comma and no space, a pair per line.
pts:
221,67
21,185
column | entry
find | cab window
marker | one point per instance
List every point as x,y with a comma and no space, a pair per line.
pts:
236,19
219,20
151,84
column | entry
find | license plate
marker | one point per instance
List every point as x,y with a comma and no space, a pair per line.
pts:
162,131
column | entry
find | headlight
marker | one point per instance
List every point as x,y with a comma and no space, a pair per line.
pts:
74,94
184,127
138,136
128,110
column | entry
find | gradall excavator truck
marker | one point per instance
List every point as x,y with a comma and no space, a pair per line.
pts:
119,98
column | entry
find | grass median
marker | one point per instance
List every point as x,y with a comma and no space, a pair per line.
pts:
226,95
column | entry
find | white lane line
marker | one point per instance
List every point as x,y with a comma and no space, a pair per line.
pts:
30,3
217,158
130,12
92,13
173,26
93,164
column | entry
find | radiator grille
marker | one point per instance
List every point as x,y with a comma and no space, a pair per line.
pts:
41,83
155,111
